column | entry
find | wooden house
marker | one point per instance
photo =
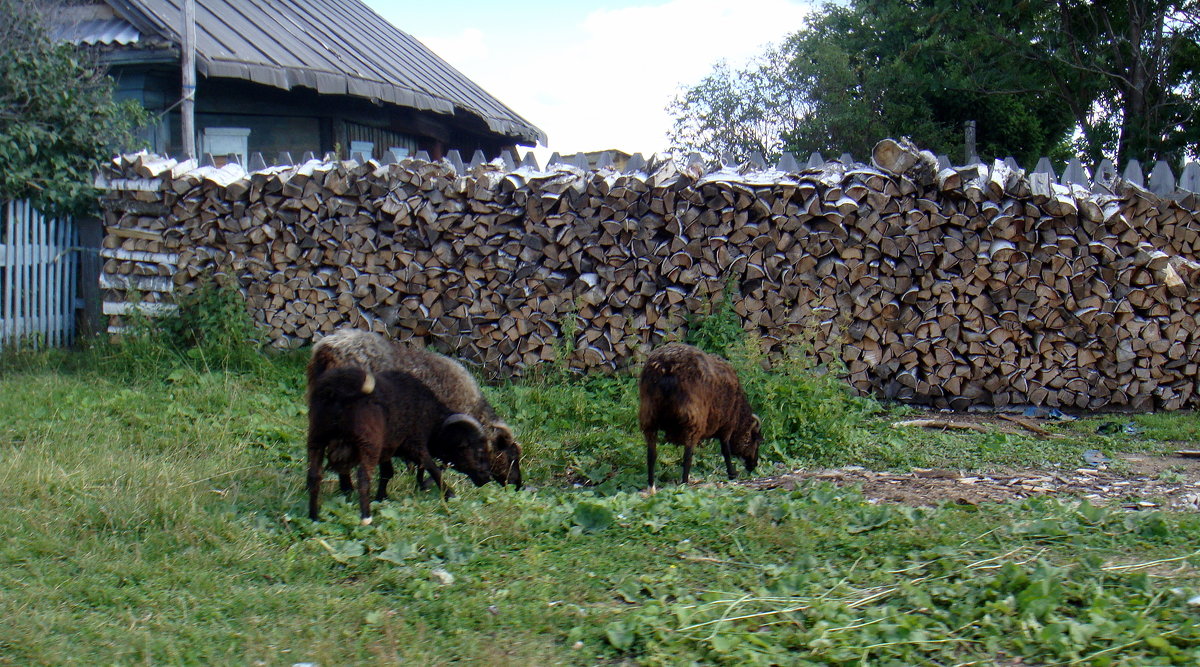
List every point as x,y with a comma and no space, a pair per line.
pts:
297,76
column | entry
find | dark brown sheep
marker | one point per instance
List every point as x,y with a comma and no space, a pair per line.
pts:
691,395
450,382
360,419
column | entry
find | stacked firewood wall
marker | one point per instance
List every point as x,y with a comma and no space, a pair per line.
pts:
947,286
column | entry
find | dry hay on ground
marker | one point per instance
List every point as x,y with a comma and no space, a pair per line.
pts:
1153,482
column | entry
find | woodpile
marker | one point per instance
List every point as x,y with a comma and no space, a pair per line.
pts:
950,286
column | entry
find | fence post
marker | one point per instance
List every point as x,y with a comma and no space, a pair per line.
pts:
1162,179
8,257
1190,178
1133,173
1075,174
91,234
969,141
1044,167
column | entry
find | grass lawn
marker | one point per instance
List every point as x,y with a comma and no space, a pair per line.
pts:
153,512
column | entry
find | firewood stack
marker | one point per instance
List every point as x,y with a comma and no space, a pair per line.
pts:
945,286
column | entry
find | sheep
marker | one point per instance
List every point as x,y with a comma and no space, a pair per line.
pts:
358,418
691,395
446,377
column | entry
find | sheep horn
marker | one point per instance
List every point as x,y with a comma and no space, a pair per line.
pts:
464,418
368,384
757,421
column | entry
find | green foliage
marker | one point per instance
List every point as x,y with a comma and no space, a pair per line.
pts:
212,328
894,69
1031,74
741,111
213,320
808,413
160,518
720,331
58,119
577,429
1129,71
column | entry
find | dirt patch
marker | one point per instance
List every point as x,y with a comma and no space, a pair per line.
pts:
1186,467
1154,482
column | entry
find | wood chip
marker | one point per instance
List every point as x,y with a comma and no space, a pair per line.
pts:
939,423
1030,426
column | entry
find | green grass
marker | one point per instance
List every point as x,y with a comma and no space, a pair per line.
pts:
154,513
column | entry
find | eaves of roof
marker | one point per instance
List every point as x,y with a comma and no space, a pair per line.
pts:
336,47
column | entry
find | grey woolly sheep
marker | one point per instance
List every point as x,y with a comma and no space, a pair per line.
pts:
691,395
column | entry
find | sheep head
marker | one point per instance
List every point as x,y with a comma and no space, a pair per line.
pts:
464,441
752,438
506,456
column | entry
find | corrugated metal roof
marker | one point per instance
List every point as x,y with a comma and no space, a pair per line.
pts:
338,47
97,31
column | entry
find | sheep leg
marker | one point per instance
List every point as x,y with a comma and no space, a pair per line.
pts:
423,482
316,470
688,448
386,472
365,467
651,456
345,483
727,452
428,464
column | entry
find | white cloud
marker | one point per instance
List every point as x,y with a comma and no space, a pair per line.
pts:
469,45
606,82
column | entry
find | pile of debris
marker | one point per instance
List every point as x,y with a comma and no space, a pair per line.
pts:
1176,491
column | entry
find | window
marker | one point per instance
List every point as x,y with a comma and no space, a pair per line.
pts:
367,148
224,141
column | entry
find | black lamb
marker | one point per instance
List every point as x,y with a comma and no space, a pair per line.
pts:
360,419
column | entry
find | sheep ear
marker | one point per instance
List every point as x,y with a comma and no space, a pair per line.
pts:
505,437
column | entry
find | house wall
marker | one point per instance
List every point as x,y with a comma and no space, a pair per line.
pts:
148,87
298,120
270,134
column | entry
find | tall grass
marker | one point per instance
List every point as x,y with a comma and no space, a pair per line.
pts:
212,330
154,513
809,414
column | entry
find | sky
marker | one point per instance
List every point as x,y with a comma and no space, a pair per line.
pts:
594,76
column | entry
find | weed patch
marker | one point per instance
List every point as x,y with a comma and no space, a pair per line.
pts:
157,514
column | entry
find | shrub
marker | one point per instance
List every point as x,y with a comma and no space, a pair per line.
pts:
213,320
211,329
58,115
720,331
808,413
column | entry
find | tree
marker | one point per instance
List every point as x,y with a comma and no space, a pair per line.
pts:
858,73
1129,71
1120,74
740,111
892,68
58,119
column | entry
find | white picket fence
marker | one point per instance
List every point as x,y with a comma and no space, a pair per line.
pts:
39,269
